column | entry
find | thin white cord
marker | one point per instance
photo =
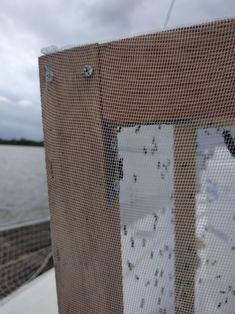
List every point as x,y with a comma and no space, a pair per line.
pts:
169,13
40,269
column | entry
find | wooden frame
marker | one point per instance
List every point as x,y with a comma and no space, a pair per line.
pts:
183,77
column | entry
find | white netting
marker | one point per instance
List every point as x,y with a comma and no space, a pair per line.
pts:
25,253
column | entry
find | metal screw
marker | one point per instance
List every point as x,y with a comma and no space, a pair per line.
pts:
87,71
48,74
116,186
114,143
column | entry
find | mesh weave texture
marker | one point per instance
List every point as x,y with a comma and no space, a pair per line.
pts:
140,154
25,253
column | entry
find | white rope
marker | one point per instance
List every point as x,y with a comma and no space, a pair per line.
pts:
40,269
169,13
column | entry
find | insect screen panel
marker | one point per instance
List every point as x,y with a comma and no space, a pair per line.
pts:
140,150
215,279
147,218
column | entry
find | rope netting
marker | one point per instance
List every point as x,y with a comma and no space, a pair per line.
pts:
25,253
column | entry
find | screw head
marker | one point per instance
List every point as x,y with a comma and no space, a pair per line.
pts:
48,74
114,144
87,71
116,186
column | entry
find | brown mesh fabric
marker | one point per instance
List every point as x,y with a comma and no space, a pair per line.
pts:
141,161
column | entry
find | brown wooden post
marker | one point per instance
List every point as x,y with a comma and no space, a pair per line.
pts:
85,223
185,214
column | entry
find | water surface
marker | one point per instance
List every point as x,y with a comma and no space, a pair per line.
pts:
23,186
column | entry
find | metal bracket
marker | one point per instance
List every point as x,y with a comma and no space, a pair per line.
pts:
87,71
113,165
48,74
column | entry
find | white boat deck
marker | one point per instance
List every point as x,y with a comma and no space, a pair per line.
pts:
37,297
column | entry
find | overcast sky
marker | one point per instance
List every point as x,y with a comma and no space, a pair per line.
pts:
26,26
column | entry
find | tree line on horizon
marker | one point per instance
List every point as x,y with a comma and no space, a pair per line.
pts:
22,141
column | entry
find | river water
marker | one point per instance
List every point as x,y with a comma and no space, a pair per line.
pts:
23,186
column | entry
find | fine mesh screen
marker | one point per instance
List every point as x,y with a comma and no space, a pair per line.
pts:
215,281
140,149
147,218
25,253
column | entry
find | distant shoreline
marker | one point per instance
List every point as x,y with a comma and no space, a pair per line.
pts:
21,142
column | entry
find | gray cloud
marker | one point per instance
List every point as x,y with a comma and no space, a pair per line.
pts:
27,26
17,121
113,14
